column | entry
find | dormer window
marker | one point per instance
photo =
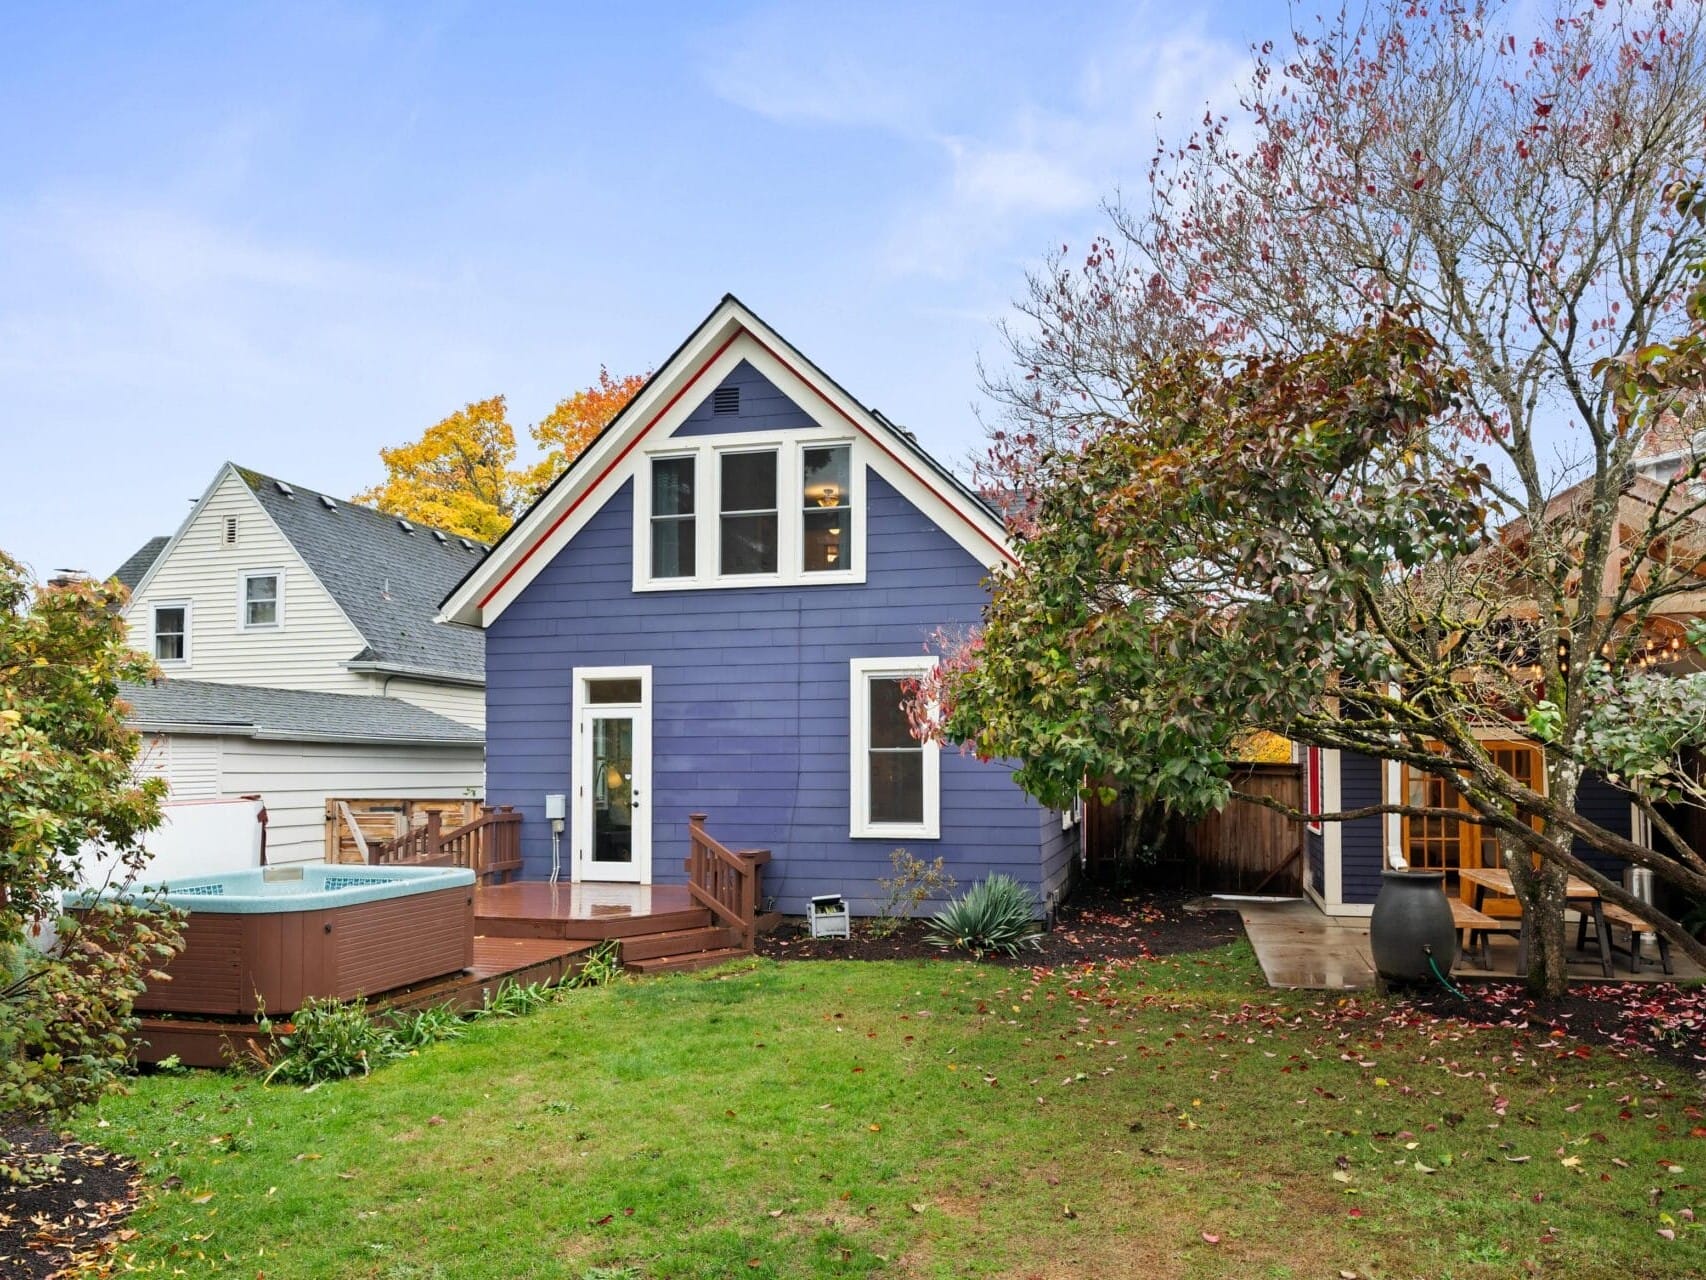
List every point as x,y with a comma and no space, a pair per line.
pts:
261,602
748,510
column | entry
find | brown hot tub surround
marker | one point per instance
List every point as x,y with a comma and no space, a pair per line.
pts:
272,939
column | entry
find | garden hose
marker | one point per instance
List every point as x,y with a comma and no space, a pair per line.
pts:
1443,980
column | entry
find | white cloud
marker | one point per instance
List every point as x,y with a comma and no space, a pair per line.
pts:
1022,156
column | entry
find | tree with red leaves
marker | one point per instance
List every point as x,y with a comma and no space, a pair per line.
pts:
1437,270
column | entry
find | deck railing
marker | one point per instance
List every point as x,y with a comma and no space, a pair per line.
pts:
490,845
728,883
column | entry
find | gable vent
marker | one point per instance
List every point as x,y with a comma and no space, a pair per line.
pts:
405,526
285,489
230,531
725,400
328,503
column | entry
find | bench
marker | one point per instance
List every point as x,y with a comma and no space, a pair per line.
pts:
1476,927
1617,917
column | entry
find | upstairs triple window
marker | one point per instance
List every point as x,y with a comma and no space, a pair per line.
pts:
749,512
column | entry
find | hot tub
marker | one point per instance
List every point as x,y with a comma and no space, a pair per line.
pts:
273,938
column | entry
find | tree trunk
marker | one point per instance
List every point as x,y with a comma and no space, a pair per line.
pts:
1541,893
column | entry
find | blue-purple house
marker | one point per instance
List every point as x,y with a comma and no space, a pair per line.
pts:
714,609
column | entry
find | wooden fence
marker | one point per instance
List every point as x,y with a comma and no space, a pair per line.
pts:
1242,849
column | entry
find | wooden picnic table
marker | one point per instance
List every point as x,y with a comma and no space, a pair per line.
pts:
1497,882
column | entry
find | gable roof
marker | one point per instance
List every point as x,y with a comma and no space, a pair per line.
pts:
731,333
134,569
387,578
251,711
387,575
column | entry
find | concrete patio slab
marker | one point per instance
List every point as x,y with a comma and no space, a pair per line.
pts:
1300,946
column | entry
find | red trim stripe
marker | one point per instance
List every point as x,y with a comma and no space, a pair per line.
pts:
656,417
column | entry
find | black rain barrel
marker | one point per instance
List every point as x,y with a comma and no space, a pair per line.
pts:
1411,921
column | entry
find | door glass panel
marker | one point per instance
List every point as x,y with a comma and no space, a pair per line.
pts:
613,789
624,692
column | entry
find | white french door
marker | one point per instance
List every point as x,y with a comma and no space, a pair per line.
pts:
611,803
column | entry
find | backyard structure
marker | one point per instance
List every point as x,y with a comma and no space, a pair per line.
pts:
301,664
718,608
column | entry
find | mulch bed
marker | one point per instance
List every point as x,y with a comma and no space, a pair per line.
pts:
1628,1018
68,1219
1093,926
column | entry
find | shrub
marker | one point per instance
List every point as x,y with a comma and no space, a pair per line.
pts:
411,1032
329,1041
996,914
914,882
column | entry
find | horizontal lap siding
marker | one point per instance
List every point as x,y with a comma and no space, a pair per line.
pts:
1606,806
1363,841
1317,845
294,781
762,408
750,706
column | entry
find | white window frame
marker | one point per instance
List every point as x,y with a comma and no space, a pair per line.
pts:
706,451
154,608
860,673
243,580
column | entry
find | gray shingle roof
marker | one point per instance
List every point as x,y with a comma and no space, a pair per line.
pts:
250,711
141,561
387,579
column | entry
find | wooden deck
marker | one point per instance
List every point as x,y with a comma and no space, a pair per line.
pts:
212,1042
535,909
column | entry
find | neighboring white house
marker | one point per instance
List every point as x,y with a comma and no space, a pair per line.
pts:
300,659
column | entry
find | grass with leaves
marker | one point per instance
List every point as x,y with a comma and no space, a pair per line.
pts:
934,1119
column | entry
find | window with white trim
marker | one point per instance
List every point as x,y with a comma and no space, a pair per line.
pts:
261,600
674,529
747,523
896,783
757,508
172,633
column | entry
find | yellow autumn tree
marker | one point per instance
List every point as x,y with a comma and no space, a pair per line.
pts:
461,475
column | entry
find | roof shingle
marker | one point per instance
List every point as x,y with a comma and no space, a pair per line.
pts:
250,711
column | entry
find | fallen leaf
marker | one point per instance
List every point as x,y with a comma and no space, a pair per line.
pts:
916,1208
203,1198
1210,1239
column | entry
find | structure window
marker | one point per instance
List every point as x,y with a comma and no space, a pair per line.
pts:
749,523
674,528
262,606
172,633
1443,843
827,520
896,779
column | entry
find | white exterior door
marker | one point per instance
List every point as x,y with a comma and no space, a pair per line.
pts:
611,803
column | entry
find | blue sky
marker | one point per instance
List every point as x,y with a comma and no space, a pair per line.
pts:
290,235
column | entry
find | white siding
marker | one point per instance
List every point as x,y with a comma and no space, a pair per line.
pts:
462,703
295,780
307,652
190,765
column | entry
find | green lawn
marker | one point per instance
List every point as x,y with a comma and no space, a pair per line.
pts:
933,1119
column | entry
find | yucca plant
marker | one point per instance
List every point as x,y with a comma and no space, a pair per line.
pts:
995,914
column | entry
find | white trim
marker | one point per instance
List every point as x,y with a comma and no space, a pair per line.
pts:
1392,783
1073,814
147,579
170,664
860,827
662,405
1333,837
707,452
1640,827
581,866
244,578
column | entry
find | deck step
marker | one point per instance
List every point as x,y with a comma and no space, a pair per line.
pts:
499,924
677,942
686,963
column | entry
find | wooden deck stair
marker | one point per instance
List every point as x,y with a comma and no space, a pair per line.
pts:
660,928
